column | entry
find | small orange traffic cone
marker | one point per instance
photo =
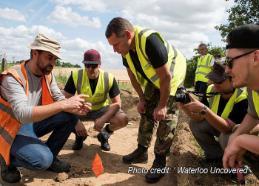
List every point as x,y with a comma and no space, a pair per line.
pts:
97,165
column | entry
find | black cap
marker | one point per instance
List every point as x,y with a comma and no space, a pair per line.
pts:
245,36
218,74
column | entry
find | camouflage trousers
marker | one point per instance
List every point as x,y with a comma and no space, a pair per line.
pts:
166,128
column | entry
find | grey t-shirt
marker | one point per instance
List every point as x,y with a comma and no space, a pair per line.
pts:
251,107
22,105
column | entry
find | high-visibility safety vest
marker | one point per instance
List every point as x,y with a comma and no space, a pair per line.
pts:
238,95
9,125
203,68
99,99
176,61
255,96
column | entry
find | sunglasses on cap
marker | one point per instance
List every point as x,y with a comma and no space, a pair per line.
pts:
91,65
229,61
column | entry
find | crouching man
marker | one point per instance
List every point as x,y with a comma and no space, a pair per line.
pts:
227,108
32,105
97,85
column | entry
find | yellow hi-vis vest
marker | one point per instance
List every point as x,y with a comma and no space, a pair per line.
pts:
238,95
256,101
203,68
176,61
9,125
99,99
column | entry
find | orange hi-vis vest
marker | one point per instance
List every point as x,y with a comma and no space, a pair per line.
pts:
9,125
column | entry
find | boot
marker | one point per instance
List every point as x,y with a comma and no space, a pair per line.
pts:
103,139
154,173
59,166
137,156
78,145
9,174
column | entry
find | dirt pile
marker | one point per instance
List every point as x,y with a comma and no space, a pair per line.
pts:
184,153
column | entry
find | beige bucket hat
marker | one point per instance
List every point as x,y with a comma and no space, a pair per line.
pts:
46,43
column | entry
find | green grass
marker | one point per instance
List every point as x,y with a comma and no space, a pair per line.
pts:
61,79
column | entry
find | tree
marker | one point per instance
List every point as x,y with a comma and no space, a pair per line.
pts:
243,12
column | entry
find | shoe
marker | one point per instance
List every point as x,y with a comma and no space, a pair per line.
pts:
59,166
137,156
10,174
159,163
103,139
78,145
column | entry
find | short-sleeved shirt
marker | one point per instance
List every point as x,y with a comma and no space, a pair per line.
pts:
251,107
71,89
238,112
156,53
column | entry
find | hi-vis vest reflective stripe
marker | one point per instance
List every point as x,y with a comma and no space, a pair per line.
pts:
237,96
203,68
176,61
9,125
99,99
256,101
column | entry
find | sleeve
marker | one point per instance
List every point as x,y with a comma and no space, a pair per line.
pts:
156,51
55,90
239,111
125,63
251,108
12,91
70,86
114,90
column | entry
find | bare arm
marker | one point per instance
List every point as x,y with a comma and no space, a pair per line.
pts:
248,142
233,155
135,84
165,79
195,107
113,109
246,126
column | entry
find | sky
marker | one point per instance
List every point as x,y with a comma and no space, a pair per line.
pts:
80,25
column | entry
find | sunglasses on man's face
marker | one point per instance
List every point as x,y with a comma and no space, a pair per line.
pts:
229,61
91,65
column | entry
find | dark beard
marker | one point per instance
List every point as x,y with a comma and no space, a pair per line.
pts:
45,70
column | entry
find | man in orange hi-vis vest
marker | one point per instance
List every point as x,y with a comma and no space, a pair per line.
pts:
32,105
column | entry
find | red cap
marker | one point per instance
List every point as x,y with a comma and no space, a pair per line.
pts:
92,57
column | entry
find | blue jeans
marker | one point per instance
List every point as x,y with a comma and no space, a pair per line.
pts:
32,153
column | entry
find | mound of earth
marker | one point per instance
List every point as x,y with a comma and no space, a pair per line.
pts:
185,153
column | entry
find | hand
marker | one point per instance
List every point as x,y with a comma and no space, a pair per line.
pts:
141,106
231,138
159,113
98,124
80,129
233,155
76,105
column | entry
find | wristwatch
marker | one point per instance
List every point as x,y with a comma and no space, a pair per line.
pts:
203,110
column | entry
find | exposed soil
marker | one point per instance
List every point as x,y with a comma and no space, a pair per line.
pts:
184,153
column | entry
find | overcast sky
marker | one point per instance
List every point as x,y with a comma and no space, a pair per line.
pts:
80,24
